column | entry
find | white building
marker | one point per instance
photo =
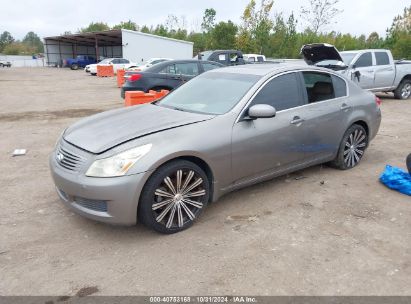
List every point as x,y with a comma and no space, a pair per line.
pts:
132,45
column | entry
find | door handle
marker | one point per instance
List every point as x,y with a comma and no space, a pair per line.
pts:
297,120
345,107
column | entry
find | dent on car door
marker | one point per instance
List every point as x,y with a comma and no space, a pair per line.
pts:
266,146
364,65
325,115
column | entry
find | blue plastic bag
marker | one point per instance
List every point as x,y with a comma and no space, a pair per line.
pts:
396,179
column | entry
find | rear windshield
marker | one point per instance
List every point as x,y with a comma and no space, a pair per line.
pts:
210,93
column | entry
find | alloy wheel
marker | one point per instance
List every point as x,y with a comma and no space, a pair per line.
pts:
178,199
406,91
354,148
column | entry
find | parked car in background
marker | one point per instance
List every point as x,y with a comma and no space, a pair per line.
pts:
372,69
162,163
117,63
167,75
225,57
253,58
149,63
79,62
4,63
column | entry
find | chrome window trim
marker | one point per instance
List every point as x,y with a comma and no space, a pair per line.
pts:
288,72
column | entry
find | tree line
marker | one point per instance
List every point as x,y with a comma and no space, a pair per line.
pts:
264,32
30,45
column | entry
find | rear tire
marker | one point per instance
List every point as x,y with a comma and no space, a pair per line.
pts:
352,148
174,197
74,66
403,91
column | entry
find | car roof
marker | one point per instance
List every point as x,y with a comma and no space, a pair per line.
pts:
364,50
167,63
266,68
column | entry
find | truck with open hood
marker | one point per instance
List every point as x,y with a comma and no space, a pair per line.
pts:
373,69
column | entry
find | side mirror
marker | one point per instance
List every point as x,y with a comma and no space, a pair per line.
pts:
261,111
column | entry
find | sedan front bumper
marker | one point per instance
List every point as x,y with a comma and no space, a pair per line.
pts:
109,200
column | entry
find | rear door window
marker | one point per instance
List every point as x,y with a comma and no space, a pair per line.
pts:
169,69
190,69
319,86
382,58
281,92
365,60
340,86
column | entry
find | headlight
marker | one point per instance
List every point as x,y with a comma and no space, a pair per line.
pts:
117,165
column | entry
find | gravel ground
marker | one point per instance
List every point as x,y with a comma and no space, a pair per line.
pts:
318,231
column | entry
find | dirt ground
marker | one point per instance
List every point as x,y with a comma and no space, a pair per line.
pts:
318,231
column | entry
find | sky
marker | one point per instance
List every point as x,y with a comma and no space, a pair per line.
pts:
53,17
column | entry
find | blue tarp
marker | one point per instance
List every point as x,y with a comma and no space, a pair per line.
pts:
397,179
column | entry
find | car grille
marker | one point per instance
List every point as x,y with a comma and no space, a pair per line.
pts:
96,205
68,159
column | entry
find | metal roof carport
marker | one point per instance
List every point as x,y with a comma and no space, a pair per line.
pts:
95,44
133,45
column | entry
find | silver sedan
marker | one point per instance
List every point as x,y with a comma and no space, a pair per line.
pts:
162,163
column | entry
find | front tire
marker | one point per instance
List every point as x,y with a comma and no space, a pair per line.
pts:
352,148
174,197
74,66
403,91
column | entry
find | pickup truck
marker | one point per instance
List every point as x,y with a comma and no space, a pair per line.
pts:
4,63
79,62
225,57
373,69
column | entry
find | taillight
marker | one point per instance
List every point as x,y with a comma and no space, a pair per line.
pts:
378,101
134,77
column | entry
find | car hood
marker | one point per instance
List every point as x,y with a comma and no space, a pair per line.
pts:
101,132
317,52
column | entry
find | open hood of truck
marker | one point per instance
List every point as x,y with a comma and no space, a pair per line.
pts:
317,52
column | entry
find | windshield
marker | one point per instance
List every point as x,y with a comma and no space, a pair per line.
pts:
334,64
347,57
210,93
